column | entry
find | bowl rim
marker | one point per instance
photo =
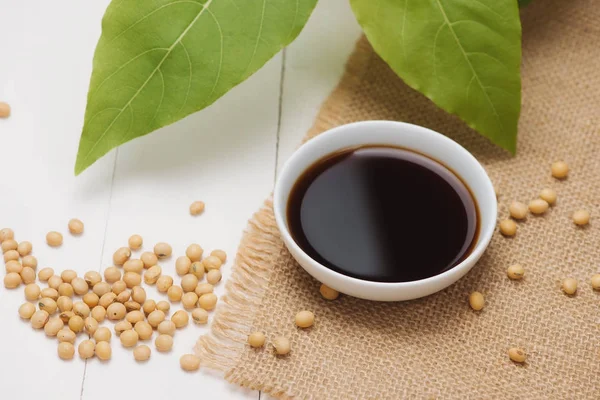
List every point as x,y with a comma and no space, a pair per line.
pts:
487,217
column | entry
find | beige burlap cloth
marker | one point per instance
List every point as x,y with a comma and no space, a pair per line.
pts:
437,347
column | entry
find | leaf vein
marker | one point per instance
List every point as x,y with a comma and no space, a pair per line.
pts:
149,14
489,8
260,28
220,55
162,96
187,93
170,49
127,63
442,10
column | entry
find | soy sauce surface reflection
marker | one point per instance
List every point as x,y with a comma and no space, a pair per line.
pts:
383,214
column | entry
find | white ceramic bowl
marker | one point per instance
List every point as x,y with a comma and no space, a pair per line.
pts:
408,136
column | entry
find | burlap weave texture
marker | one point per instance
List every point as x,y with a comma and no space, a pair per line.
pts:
437,347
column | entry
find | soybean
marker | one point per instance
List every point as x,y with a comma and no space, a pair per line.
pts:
102,335
54,239
48,305
200,316
90,325
152,274
560,169
180,318
163,343
149,259
203,288
508,227
476,301
45,274
167,328
116,311
8,245
138,294
86,349
80,286
517,210
175,293
129,338
182,265
548,195
11,255
189,283
50,293
101,288
164,283
207,301
53,326
163,250
29,261
66,350
24,248
144,330
256,339
6,234
155,318
66,335
76,323
118,287
112,274
91,299
39,319
517,355
189,300
14,266
133,265
141,353
197,269
197,208
103,350
581,217
305,319
189,362
65,289
132,279
26,310
75,226
214,276
32,292
282,345
121,255
27,275
135,242
515,272
194,252
538,206
12,280
98,313
569,286
211,262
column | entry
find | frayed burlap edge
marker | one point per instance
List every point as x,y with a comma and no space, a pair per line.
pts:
222,348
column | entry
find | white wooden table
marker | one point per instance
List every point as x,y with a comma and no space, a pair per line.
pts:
226,155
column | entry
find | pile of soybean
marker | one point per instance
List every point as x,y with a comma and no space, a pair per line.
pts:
66,305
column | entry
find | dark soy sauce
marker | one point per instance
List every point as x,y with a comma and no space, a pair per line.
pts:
383,214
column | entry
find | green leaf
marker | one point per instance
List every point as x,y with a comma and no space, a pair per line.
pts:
158,61
464,55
